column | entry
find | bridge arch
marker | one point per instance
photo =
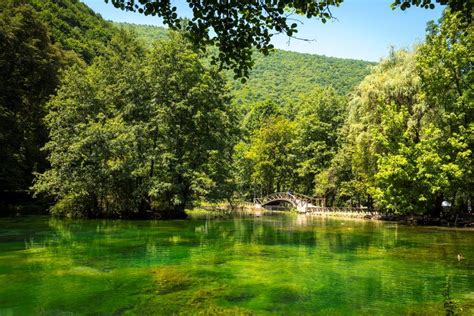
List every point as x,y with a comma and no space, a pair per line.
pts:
279,200
299,201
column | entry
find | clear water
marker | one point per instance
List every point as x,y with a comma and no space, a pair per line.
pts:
267,265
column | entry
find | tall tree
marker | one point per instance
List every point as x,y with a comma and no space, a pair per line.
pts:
319,116
272,156
196,125
378,130
29,65
445,66
97,137
408,138
127,139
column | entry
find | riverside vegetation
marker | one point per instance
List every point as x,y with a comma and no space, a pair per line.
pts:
100,121
97,123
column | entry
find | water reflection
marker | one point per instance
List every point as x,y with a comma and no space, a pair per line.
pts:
277,264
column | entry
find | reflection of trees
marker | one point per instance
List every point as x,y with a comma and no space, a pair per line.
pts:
136,243
363,261
168,241
351,259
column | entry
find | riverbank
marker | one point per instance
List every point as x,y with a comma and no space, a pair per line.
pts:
342,213
248,209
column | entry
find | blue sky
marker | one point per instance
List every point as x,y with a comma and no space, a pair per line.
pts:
364,29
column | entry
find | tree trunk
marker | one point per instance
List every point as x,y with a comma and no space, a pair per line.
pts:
438,209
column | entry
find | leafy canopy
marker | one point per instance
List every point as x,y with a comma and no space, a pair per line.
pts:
407,143
29,65
126,138
236,26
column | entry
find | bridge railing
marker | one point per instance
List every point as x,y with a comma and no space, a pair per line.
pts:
294,198
273,197
310,200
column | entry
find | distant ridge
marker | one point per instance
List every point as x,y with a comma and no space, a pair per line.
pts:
146,33
279,76
282,74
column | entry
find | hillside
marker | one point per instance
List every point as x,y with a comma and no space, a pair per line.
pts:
283,74
75,27
146,33
280,75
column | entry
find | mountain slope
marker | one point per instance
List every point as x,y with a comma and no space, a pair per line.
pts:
75,26
146,33
282,74
285,74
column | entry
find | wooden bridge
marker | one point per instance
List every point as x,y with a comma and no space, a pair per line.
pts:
299,201
310,205
302,203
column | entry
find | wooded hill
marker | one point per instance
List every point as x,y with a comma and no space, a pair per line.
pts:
282,74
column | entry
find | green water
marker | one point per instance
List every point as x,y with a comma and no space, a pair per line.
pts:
267,265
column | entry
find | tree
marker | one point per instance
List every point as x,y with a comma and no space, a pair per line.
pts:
272,156
259,114
407,142
319,116
29,66
97,146
444,64
375,157
238,26
196,126
127,139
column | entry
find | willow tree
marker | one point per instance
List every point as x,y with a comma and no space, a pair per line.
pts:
377,134
407,143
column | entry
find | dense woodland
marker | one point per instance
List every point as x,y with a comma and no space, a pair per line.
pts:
280,76
100,120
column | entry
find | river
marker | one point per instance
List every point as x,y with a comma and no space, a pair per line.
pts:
274,264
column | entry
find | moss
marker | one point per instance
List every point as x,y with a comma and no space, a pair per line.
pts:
171,280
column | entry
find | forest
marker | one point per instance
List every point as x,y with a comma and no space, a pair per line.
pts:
122,121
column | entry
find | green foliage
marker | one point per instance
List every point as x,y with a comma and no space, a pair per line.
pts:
139,126
282,75
76,27
196,130
125,139
39,39
96,129
149,34
444,64
237,27
29,65
463,7
407,143
319,115
283,148
271,156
